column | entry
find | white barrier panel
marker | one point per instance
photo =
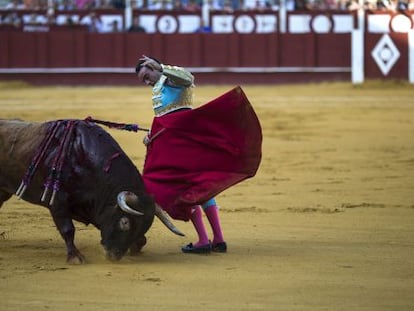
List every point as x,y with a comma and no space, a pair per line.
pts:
357,55
411,56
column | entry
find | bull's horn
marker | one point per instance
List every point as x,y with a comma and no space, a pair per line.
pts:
124,206
159,212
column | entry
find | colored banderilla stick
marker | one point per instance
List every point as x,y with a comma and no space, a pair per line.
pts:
36,160
67,143
52,173
118,126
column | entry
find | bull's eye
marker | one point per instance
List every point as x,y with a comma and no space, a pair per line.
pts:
124,224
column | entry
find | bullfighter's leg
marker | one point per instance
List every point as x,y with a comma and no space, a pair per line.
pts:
203,245
67,230
211,210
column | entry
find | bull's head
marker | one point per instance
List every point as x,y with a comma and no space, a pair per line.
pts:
132,218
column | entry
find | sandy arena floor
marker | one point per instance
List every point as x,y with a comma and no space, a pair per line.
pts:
326,224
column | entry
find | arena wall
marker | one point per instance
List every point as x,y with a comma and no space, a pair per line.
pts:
215,57
310,47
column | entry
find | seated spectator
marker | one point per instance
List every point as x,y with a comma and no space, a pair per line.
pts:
160,5
35,4
178,5
15,5
136,27
370,5
93,22
352,5
303,5
402,5
385,5
255,5
84,4
115,26
215,5
139,4
118,4
70,21
192,6
12,19
50,17
228,6
330,4
66,5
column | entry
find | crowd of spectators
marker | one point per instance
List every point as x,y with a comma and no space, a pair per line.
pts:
92,22
195,5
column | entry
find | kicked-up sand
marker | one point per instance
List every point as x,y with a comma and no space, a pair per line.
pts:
326,224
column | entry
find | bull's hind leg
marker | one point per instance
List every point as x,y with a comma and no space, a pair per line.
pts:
67,230
4,196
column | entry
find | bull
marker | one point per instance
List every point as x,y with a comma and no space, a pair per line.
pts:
79,172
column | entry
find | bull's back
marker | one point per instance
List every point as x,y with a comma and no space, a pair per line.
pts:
93,162
96,150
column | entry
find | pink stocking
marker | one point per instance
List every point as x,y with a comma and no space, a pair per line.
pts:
213,218
197,220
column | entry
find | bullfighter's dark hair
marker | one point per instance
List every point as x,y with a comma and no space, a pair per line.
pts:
139,65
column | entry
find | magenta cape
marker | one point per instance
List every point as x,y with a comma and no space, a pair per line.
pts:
196,154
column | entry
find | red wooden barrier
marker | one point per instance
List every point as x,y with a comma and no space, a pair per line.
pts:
80,49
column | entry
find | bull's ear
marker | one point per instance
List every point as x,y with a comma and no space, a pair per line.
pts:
127,198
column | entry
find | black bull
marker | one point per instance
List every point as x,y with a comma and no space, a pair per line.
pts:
79,172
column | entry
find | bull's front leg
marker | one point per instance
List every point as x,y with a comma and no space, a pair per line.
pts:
66,229
136,247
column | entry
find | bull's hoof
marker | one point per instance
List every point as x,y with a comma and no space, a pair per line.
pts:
76,259
136,248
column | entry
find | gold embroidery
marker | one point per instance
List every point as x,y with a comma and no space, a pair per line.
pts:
170,108
185,99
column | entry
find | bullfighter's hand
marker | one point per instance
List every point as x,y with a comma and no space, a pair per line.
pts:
149,62
146,140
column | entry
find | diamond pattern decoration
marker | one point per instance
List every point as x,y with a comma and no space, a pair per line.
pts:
385,54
